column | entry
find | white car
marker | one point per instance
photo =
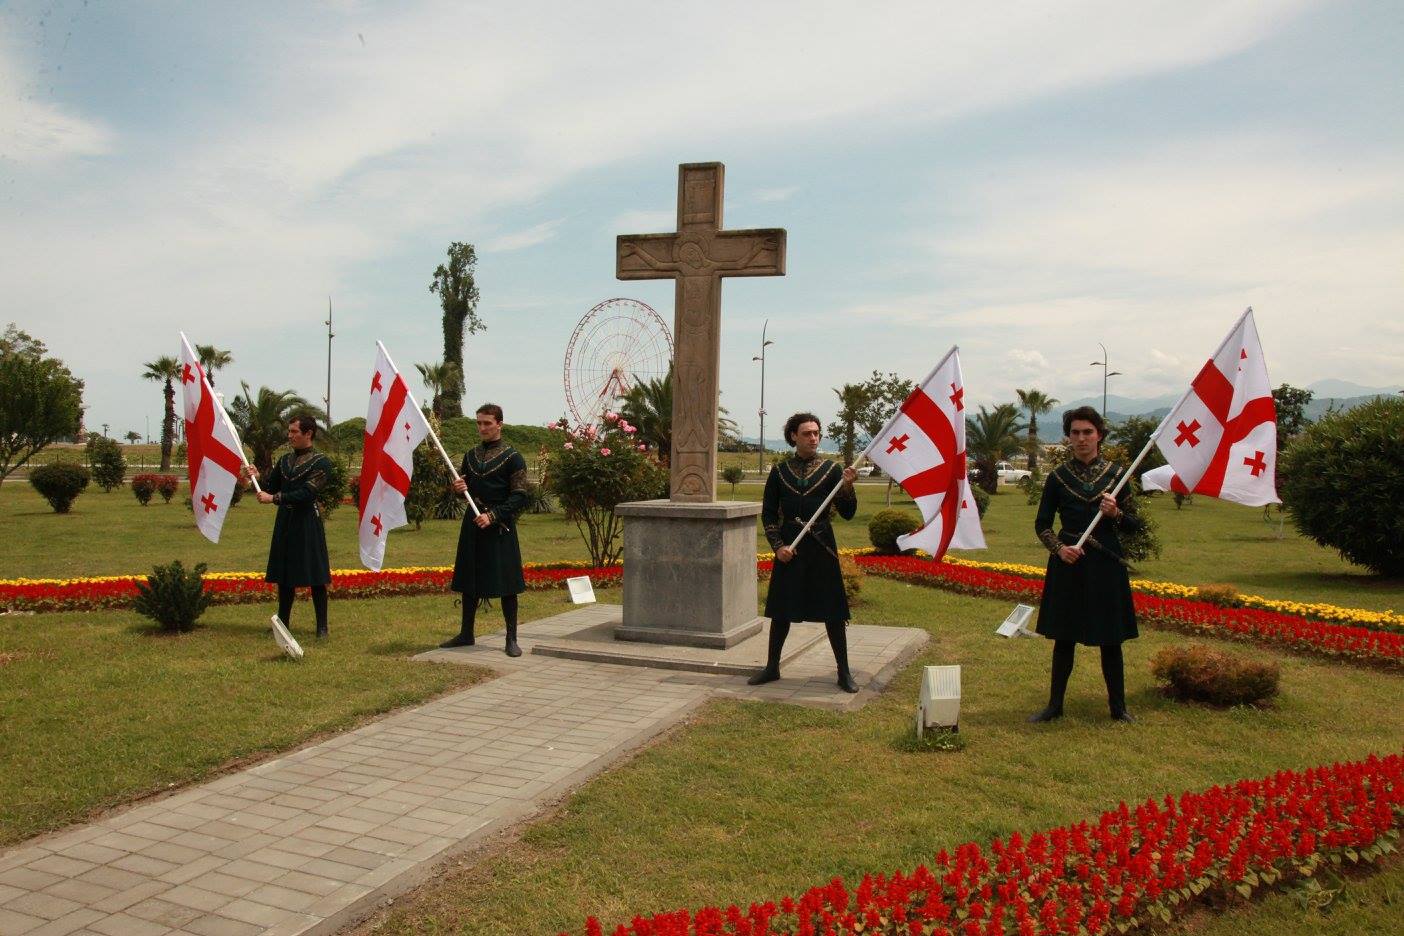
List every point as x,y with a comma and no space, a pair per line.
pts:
1009,474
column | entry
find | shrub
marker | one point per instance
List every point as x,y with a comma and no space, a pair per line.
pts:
732,475
108,465
173,597
60,483
1225,596
540,499
982,499
166,486
852,578
1200,673
889,524
143,486
1340,480
329,498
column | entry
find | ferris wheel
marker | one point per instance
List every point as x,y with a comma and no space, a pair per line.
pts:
618,343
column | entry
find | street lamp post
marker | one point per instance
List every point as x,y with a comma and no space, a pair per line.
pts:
330,336
1105,374
761,357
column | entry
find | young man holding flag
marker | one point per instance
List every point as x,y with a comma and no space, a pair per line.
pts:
297,556
489,560
1086,590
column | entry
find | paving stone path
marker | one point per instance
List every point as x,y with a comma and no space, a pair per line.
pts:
310,842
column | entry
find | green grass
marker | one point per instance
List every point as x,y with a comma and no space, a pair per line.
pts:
96,709
1207,541
751,801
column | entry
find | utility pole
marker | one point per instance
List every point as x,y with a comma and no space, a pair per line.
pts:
761,358
327,400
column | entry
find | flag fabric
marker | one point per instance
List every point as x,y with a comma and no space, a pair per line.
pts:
394,428
213,454
1221,441
922,448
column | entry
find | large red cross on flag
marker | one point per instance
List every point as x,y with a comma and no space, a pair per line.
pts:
1221,440
212,449
922,448
394,428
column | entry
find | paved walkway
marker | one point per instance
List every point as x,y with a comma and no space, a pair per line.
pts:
310,842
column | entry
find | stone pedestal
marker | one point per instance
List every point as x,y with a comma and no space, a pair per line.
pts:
689,573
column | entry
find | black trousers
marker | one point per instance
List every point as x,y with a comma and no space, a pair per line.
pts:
1113,672
286,593
838,642
470,614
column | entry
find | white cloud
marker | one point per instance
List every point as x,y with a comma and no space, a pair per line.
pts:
783,193
530,237
644,222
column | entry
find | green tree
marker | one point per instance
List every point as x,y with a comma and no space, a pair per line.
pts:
262,421
458,296
40,400
132,437
440,379
992,436
212,359
854,402
648,407
732,474
1291,403
105,459
864,407
1132,434
165,370
1037,403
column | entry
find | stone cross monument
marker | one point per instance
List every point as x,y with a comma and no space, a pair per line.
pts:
689,561
697,256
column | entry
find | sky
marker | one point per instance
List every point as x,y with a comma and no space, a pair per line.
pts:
1022,180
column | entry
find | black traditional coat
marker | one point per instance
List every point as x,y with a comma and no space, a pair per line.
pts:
489,561
1090,600
298,554
810,586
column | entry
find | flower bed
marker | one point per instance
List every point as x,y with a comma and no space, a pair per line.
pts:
1283,630
1135,865
119,591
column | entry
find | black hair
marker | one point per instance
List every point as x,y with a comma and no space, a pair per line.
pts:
305,423
492,409
794,422
1086,414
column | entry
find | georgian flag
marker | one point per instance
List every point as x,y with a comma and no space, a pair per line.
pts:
213,453
922,448
394,427
1221,440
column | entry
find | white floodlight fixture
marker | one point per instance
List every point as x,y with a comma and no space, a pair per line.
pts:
285,640
939,703
581,591
1017,624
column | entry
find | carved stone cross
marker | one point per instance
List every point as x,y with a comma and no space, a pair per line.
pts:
697,256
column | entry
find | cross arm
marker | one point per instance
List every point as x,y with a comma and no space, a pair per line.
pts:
645,256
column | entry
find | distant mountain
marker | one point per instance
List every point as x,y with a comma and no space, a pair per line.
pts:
1344,389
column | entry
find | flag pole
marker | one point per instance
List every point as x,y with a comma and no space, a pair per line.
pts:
1126,476
433,435
828,500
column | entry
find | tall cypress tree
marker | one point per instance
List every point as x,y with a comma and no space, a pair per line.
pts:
458,295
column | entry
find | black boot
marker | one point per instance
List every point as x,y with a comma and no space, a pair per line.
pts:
1114,672
465,632
1063,651
319,607
779,630
838,640
509,612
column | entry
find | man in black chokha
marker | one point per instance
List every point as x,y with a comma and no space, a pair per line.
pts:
806,584
489,561
1086,591
297,556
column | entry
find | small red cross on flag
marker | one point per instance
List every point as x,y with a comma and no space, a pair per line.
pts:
1187,434
898,444
209,501
375,522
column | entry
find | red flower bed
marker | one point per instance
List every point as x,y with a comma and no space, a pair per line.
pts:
1286,630
1133,866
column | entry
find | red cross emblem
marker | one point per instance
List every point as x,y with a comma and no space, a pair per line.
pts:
899,443
1242,356
1256,463
188,376
1187,433
375,522
209,502
375,382
407,431
958,398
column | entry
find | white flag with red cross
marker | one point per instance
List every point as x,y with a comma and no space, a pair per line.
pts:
213,453
1221,441
394,428
922,448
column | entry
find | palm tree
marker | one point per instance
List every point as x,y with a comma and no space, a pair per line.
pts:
991,436
262,421
212,359
648,405
854,403
165,370
1037,403
440,379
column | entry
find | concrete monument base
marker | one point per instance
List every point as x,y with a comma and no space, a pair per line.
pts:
689,573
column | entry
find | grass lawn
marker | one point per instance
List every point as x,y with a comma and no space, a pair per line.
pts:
1207,541
752,801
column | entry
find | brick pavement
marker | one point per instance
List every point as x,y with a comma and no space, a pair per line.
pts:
311,841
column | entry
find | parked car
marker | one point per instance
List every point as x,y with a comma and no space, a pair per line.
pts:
1009,474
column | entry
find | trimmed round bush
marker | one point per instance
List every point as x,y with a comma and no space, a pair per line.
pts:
1341,482
60,483
889,524
1200,673
143,487
167,485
